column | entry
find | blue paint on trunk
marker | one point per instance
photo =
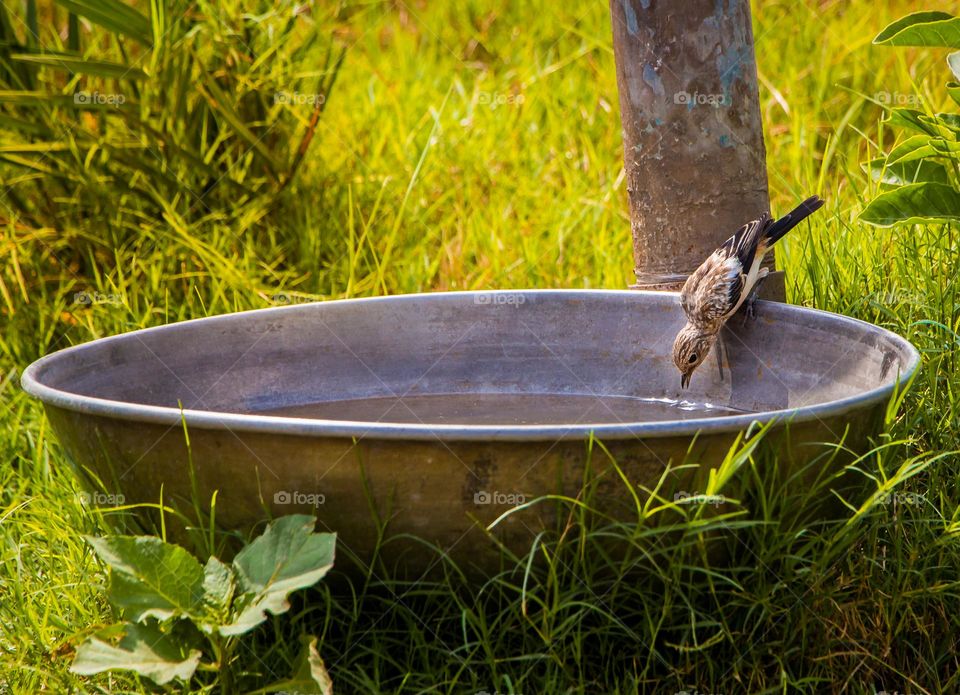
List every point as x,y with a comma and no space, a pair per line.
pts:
633,27
730,64
733,57
651,77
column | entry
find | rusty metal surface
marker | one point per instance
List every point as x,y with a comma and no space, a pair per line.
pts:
114,405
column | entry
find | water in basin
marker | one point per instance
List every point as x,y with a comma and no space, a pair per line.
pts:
504,409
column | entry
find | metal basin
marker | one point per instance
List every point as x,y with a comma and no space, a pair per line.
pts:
432,414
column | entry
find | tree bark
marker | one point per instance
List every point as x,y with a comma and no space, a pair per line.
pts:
692,134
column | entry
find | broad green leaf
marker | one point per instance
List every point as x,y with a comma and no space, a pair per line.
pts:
951,120
913,204
81,65
953,60
310,676
953,89
909,20
150,578
945,147
910,118
144,649
906,172
945,125
922,29
288,556
114,15
914,147
218,587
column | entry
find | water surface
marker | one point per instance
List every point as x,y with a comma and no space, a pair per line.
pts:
504,409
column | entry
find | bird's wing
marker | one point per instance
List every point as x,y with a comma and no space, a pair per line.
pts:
741,251
713,290
745,242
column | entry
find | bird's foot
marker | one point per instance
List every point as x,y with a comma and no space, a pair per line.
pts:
750,310
750,307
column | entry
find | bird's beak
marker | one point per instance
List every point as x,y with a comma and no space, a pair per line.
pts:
684,380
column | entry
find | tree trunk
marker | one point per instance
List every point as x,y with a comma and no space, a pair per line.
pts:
692,135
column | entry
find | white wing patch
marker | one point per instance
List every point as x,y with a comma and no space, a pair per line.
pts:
734,269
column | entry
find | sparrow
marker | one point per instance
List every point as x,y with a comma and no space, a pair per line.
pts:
729,277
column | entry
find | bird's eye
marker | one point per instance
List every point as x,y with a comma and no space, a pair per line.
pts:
693,358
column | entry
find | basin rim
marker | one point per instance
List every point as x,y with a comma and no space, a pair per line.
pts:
31,381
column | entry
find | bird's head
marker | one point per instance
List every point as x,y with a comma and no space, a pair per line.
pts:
690,349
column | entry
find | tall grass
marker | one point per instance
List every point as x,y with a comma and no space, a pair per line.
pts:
476,145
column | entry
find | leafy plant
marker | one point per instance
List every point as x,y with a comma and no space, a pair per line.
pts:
922,171
180,617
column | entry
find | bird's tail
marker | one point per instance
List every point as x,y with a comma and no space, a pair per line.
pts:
783,225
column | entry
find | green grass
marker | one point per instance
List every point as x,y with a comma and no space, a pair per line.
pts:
477,145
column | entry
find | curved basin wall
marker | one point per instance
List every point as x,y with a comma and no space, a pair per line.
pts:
610,343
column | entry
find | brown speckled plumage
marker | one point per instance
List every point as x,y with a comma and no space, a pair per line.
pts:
717,289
